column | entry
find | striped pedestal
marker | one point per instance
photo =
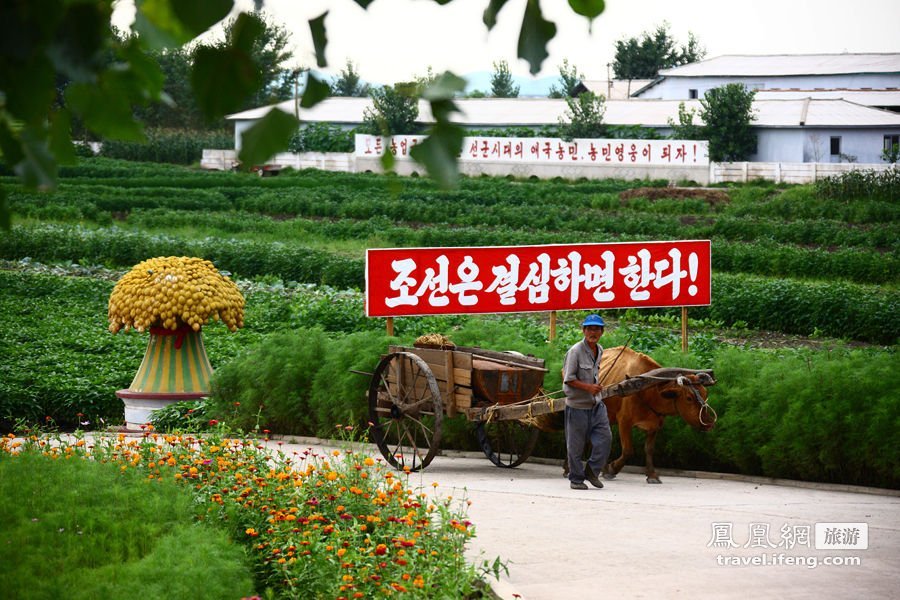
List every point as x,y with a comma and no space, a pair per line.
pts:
175,368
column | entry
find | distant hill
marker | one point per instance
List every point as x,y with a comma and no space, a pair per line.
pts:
529,87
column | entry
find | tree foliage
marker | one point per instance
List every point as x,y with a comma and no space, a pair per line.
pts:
44,42
645,57
685,128
569,78
348,83
502,85
727,112
584,117
394,111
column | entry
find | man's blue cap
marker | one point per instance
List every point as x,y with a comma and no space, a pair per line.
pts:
593,320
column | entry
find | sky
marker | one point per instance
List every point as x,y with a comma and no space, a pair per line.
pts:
396,40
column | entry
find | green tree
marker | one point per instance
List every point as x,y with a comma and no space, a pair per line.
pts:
394,111
728,113
685,128
584,117
502,85
569,78
348,83
645,57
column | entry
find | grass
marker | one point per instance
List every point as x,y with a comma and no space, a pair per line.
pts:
83,529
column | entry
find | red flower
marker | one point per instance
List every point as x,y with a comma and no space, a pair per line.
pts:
213,422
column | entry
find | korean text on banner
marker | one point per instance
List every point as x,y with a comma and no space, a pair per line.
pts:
498,279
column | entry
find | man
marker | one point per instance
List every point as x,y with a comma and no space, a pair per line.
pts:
586,418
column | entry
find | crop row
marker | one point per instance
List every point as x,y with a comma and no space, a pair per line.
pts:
599,217
839,309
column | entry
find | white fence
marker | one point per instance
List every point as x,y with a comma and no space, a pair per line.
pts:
717,172
784,172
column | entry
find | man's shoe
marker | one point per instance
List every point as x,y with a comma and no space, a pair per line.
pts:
592,477
578,485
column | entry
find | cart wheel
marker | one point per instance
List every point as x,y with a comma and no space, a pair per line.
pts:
405,410
506,443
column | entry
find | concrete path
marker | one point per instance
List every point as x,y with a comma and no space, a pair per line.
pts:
635,540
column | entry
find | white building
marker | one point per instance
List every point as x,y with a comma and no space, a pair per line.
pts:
795,72
789,130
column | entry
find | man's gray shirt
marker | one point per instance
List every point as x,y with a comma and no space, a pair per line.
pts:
580,364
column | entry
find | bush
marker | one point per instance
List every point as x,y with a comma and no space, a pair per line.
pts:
270,386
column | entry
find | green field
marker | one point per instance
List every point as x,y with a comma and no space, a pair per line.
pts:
789,262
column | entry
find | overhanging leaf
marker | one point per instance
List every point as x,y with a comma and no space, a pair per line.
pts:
158,26
316,91
199,15
222,79
247,29
535,34
439,153
37,169
364,3
588,8
443,87
105,109
61,138
266,137
5,213
320,40
490,13
387,161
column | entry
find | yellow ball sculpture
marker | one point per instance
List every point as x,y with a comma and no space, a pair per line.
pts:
172,298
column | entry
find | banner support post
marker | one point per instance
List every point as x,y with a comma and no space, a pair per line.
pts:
389,323
552,325
684,329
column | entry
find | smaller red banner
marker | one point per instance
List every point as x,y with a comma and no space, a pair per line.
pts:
498,279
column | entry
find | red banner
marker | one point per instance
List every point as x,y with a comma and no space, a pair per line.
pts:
499,279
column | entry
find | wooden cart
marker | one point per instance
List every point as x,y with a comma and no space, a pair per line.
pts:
412,389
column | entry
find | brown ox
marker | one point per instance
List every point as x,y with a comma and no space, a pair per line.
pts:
667,392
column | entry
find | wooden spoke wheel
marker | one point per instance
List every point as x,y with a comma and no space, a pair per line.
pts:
406,411
506,443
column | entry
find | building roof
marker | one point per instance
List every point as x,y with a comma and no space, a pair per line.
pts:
783,65
535,112
615,89
888,97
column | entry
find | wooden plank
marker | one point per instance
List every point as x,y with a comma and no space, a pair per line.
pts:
512,412
463,398
462,377
449,387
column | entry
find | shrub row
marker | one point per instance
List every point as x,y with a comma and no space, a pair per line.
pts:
838,309
862,266
120,248
835,309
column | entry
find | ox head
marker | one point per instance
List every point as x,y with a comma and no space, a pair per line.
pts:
689,396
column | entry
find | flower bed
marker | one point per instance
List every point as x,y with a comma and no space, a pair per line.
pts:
336,525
